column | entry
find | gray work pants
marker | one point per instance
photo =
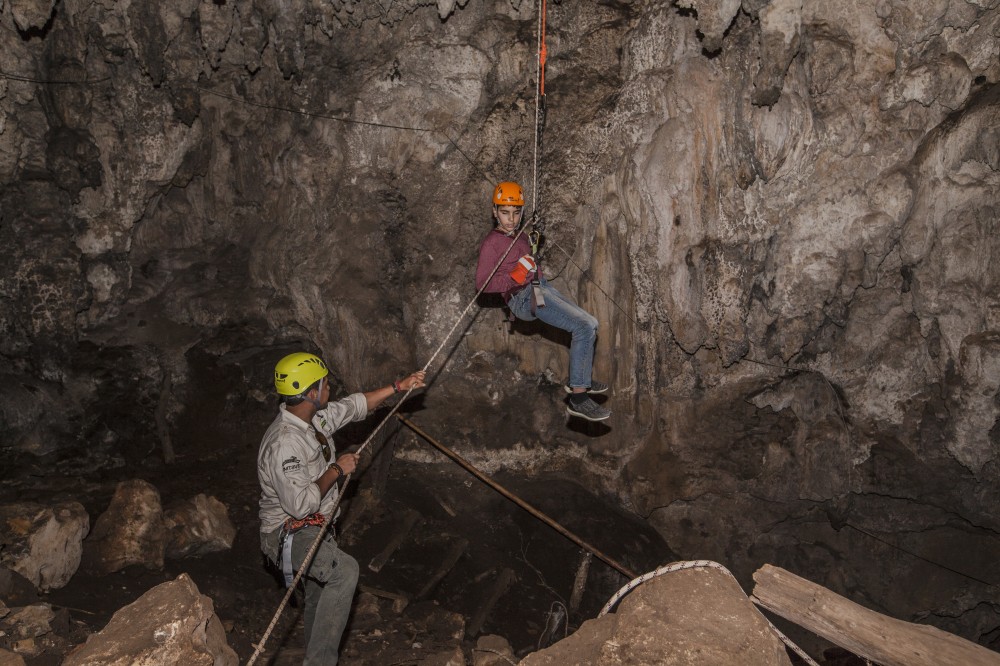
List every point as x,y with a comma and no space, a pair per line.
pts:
329,587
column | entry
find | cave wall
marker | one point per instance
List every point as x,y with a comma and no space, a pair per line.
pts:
783,214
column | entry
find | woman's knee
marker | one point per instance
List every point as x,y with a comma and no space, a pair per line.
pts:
586,324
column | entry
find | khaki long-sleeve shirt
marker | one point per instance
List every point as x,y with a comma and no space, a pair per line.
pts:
290,460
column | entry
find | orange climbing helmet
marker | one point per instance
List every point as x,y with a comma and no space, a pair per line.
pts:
508,193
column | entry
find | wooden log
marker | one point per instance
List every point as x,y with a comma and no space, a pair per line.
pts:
379,561
500,587
399,601
447,564
469,467
864,632
580,582
444,505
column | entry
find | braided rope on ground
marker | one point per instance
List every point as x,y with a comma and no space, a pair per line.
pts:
700,564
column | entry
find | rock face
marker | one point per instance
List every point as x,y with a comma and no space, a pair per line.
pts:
170,624
783,213
684,617
42,543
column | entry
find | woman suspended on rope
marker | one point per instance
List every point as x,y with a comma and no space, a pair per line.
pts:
520,282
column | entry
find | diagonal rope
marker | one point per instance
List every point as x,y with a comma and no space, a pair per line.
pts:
259,647
333,511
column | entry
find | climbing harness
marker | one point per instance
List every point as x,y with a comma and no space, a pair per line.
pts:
699,564
286,537
535,241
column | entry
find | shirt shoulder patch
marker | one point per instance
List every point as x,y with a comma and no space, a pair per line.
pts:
291,464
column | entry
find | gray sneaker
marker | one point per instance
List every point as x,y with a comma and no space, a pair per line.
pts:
588,409
595,387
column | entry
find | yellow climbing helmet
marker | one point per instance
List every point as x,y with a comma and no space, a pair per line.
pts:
297,372
508,194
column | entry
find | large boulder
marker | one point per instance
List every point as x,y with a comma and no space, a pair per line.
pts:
31,632
131,531
43,543
198,526
171,624
692,616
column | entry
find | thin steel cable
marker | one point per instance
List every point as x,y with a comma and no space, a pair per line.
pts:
51,82
700,564
921,557
594,282
350,121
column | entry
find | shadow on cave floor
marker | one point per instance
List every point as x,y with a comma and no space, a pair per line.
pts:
505,554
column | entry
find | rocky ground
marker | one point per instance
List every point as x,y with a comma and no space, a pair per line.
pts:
397,618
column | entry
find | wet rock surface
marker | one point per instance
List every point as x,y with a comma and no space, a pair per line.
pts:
782,213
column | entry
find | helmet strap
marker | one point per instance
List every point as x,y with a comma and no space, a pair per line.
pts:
319,392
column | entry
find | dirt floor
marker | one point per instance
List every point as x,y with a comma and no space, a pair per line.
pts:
512,574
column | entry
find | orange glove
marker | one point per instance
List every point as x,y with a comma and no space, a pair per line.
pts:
523,269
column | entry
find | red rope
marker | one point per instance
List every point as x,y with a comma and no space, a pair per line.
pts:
542,53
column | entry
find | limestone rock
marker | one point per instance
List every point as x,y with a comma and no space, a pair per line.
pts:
689,616
170,624
35,630
8,658
975,436
198,526
131,531
43,543
713,19
27,622
15,589
31,14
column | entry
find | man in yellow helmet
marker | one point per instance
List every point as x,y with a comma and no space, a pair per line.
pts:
298,476
514,279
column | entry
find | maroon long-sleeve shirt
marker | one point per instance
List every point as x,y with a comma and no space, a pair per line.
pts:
490,251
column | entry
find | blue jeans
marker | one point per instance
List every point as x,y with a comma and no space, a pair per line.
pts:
329,586
563,313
